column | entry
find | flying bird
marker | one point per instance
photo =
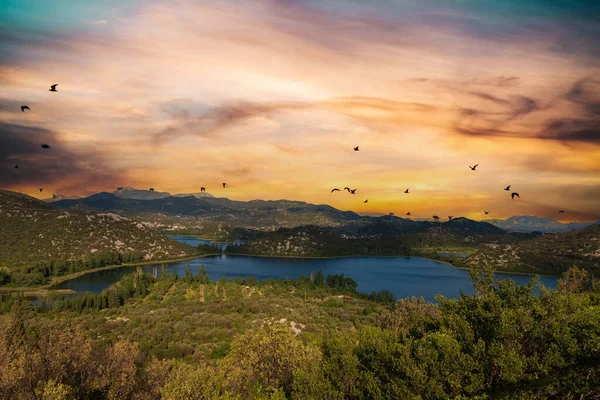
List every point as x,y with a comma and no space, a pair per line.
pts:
335,190
356,148
224,184
513,194
41,190
406,191
353,191
366,201
120,188
435,217
507,188
23,108
203,189
486,212
473,167
408,213
561,211
53,88
152,189
45,146
450,217
347,188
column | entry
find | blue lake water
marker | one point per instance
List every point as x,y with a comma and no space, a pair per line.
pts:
403,276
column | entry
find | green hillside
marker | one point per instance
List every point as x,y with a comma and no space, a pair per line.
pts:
549,254
310,338
38,240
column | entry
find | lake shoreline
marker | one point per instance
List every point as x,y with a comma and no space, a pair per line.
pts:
46,289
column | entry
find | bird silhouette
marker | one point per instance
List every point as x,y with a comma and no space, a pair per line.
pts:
561,211
473,167
450,217
391,213
507,188
513,194
45,146
435,217
23,108
347,188
408,213
152,189
224,184
406,191
41,190
120,188
366,201
202,189
486,212
53,88
17,166
356,148
335,190
54,196
353,191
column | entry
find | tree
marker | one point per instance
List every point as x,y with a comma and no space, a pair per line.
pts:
202,275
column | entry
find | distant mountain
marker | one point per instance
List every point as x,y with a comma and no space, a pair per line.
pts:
552,253
187,212
529,223
33,232
139,194
199,195
59,197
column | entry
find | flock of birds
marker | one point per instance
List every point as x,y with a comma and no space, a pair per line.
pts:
350,191
407,191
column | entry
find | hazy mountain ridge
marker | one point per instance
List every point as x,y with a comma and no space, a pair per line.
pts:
36,231
530,223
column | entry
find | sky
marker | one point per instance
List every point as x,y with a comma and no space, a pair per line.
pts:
271,96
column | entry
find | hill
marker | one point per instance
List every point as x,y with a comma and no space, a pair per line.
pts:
256,214
36,235
385,236
529,223
549,254
58,197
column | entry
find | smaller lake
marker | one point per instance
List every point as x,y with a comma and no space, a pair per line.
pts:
195,242
403,276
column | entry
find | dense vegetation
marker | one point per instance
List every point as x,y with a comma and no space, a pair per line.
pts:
314,337
38,241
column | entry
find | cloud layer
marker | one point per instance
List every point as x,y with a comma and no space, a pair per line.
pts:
271,96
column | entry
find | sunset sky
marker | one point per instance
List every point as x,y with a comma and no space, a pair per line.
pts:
271,96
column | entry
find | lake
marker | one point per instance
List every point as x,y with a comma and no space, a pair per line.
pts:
403,276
